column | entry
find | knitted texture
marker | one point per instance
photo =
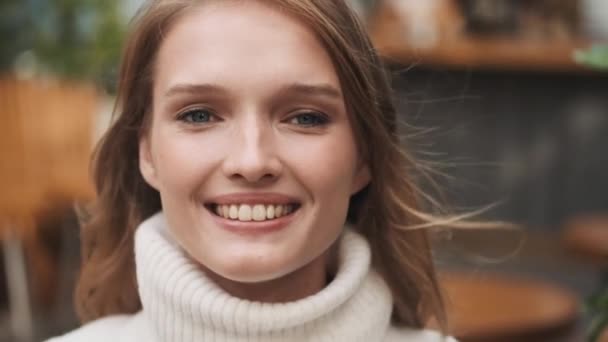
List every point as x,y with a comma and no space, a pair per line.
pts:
185,305
181,304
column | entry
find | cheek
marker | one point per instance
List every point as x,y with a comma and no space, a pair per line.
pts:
183,162
326,165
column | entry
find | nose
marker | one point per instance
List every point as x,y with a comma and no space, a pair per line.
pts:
253,154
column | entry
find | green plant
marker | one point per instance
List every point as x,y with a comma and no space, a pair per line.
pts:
597,307
75,39
596,57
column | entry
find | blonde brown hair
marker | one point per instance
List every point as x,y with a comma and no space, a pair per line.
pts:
384,212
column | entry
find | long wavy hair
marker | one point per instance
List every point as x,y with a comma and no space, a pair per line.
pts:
387,211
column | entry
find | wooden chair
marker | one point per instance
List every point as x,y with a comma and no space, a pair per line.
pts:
45,143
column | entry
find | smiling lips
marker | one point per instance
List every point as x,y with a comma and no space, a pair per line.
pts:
255,212
257,207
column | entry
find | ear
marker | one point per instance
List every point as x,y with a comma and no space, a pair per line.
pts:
362,178
146,163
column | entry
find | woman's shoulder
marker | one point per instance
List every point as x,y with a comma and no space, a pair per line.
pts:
416,335
115,328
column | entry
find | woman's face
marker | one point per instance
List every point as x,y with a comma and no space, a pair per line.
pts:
250,144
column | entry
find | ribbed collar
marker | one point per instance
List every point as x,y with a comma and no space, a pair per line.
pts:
182,304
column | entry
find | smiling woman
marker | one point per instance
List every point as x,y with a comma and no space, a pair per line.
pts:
239,198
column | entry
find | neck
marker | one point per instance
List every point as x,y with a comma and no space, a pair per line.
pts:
301,283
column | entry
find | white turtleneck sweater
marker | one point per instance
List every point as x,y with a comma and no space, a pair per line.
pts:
181,304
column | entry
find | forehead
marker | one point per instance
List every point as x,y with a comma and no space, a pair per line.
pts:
241,44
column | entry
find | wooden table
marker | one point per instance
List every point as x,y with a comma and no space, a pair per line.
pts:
519,265
494,307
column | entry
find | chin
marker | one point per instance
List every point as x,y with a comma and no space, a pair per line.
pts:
252,278
248,272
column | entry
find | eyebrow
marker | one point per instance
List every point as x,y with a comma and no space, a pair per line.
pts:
321,89
187,88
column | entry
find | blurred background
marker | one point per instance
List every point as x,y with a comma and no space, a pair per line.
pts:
507,100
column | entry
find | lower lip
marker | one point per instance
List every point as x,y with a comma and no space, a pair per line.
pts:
254,227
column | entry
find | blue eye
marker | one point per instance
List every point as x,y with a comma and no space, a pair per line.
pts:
309,119
197,116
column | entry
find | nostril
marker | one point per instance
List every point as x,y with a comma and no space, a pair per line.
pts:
251,177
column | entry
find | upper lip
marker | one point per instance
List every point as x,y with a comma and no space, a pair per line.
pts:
253,198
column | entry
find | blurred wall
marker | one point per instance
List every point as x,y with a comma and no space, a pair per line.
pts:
537,141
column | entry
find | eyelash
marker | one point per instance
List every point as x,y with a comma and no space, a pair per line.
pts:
319,118
186,116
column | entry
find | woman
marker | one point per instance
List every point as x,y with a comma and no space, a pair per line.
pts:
253,187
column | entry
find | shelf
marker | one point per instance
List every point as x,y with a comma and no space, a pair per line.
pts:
474,53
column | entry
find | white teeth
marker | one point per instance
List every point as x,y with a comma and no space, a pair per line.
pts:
244,212
270,212
234,212
257,212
